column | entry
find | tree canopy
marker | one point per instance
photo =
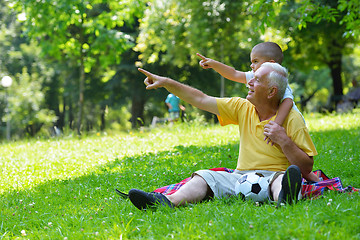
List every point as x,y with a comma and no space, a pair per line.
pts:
83,33
78,59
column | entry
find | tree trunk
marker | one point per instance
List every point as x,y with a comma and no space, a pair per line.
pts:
61,120
102,119
336,69
71,116
82,78
81,95
335,64
137,101
137,111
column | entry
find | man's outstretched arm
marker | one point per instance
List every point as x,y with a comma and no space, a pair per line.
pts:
189,94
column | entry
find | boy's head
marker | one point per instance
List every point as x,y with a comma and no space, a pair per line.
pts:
265,52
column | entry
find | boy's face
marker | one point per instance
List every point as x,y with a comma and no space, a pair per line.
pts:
257,59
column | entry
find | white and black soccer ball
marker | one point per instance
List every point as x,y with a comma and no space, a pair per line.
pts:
252,186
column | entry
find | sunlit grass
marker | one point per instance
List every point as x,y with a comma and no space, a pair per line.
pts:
28,164
64,188
334,121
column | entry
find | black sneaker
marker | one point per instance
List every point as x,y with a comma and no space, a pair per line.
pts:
290,185
144,200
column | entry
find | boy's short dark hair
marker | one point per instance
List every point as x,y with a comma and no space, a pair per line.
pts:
270,51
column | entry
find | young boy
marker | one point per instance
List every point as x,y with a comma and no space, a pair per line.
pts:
262,52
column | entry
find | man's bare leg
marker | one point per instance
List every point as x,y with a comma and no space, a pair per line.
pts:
276,187
193,191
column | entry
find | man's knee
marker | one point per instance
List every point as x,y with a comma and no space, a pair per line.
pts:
203,185
193,191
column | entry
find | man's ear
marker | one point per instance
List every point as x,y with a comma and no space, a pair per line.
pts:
272,92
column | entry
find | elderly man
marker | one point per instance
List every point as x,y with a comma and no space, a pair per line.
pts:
293,149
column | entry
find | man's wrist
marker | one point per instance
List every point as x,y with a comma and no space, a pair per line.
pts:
277,121
167,82
285,142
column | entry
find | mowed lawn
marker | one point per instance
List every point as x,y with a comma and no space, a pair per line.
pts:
64,188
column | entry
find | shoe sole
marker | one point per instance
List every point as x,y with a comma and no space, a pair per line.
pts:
290,184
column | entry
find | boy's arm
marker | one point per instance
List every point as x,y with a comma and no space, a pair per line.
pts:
224,70
284,110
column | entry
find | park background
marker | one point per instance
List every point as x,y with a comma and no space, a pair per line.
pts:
75,118
73,64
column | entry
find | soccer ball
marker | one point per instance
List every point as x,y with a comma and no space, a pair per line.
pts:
252,186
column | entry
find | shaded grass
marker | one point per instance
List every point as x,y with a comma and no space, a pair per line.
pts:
64,188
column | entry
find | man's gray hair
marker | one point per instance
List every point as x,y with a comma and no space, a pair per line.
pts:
278,77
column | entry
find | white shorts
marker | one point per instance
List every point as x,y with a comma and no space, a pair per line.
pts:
223,183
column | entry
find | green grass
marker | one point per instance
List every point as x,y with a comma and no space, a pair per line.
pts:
64,188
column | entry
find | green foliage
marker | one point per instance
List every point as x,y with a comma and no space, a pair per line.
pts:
173,31
118,119
95,42
316,11
310,47
344,12
64,188
20,59
28,113
351,67
88,36
72,29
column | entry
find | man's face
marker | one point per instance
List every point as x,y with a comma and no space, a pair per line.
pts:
256,59
258,86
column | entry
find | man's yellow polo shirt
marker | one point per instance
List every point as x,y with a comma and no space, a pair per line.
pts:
254,152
